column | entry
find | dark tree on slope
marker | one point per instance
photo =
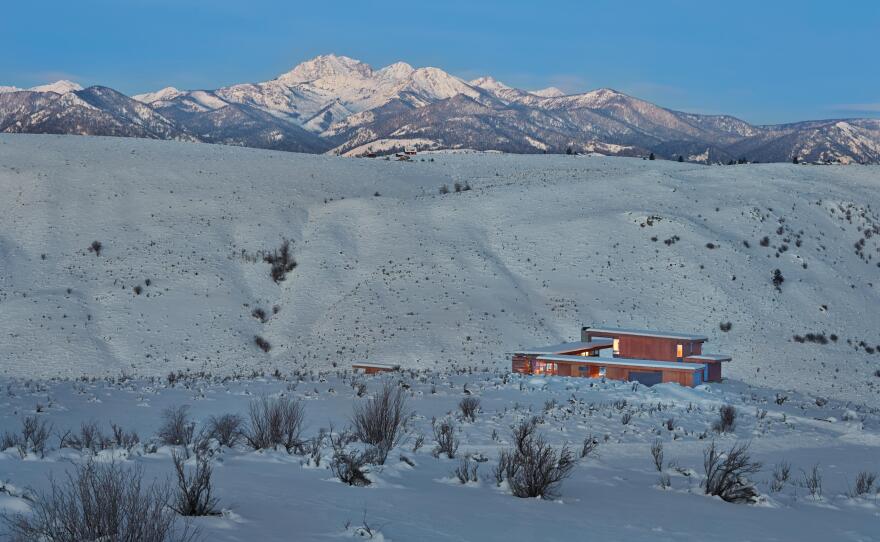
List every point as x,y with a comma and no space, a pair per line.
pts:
651,156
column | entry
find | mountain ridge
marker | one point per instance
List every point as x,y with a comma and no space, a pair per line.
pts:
340,105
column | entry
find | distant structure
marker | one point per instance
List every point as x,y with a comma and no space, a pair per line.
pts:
648,357
367,367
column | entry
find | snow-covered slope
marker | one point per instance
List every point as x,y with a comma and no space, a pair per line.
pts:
541,246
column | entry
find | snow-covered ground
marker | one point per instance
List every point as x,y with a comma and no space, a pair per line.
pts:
392,270
613,494
540,246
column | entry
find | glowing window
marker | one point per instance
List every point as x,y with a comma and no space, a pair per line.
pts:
616,346
679,351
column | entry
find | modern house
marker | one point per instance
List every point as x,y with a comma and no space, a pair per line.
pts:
367,367
649,357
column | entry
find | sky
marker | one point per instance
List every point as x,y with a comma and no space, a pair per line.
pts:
769,61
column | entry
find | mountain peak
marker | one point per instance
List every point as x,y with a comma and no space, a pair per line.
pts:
488,83
325,66
167,93
398,70
549,92
59,87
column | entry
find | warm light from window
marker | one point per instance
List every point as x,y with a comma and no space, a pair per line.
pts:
679,351
616,346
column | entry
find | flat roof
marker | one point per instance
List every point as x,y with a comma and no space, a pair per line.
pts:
376,365
710,357
625,362
647,333
567,347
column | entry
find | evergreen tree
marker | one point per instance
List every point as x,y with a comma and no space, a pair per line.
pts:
651,157
680,158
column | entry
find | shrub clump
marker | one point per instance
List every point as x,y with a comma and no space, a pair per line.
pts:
726,421
727,473
533,468
275,422
100,501
282,262
379,421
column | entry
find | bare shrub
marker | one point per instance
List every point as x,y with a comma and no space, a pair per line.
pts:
726,422
90,437
657,454
276,421
447,442
466,471
864,483
664,481
226,429
176,429
262,343
379,420
194,490
813,482
282,262
469,406
35,435
533,468
626,418
727,473
100,501
124,439
781,475
96,247
589,446
348,465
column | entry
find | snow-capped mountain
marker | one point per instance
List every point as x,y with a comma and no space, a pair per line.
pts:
341,105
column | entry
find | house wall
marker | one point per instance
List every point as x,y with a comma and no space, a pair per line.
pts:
522,364
641,347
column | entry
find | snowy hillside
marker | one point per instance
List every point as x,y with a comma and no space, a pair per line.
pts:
389,269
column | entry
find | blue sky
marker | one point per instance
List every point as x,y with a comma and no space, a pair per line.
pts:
764,61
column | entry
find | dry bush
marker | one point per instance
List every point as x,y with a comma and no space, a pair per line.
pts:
282,262
864,483
726,422
35,435
348,465
100,502
447,443
781,475
123,439
657,454
589,446
276,421
226,429
176,429
469,406
533,468
379,421
194,490
467,471
813,482
727,473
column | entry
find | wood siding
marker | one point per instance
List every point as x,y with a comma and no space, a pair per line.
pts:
523,364
642,347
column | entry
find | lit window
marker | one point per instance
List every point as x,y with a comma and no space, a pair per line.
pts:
616,346
679,351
